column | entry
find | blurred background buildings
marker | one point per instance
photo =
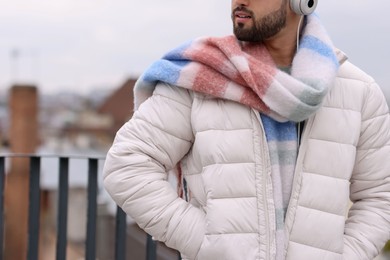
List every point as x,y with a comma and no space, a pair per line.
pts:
69,125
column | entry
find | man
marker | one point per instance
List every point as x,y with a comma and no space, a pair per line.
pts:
227,114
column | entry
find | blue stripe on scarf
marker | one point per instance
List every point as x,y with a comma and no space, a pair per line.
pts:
169,67
165,71
177,53
315,44
277,131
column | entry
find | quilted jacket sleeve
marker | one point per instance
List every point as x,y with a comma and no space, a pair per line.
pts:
368,225
144,149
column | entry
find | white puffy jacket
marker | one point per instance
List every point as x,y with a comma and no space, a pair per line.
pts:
344,155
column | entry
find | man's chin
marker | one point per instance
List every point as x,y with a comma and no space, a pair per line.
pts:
242,35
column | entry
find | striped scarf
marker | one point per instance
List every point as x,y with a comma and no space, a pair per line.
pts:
245,72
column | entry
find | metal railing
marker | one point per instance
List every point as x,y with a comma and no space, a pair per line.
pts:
62,210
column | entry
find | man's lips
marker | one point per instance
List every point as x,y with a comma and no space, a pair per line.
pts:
241,16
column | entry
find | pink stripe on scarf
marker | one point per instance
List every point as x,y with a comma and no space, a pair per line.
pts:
209,82
252,71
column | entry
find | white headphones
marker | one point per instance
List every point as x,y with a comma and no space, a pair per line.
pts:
303,7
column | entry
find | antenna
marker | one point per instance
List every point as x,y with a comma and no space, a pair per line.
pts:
14,65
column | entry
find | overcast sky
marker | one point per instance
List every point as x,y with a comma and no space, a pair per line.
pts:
80,45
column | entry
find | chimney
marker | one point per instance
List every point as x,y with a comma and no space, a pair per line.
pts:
23,135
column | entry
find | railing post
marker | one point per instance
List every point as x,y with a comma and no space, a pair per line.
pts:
120,234
151,248
90,251
34,208
62,211
2,180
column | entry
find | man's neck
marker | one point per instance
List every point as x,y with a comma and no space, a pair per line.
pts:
283,46
282,54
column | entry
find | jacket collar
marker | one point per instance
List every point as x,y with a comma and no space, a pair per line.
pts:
341,56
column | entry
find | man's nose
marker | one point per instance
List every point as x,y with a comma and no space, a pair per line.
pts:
237,3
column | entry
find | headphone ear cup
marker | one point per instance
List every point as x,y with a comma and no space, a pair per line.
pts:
303,7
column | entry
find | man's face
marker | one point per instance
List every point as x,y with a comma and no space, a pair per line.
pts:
253,23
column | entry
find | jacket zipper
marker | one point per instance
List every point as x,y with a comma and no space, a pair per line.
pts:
266,209
265,155
302,142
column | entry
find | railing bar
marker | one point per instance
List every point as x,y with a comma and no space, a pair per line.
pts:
62,211
71,156
120,235
151,248
34,208
2,180
90,251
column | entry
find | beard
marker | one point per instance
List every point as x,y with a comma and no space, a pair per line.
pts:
262,29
